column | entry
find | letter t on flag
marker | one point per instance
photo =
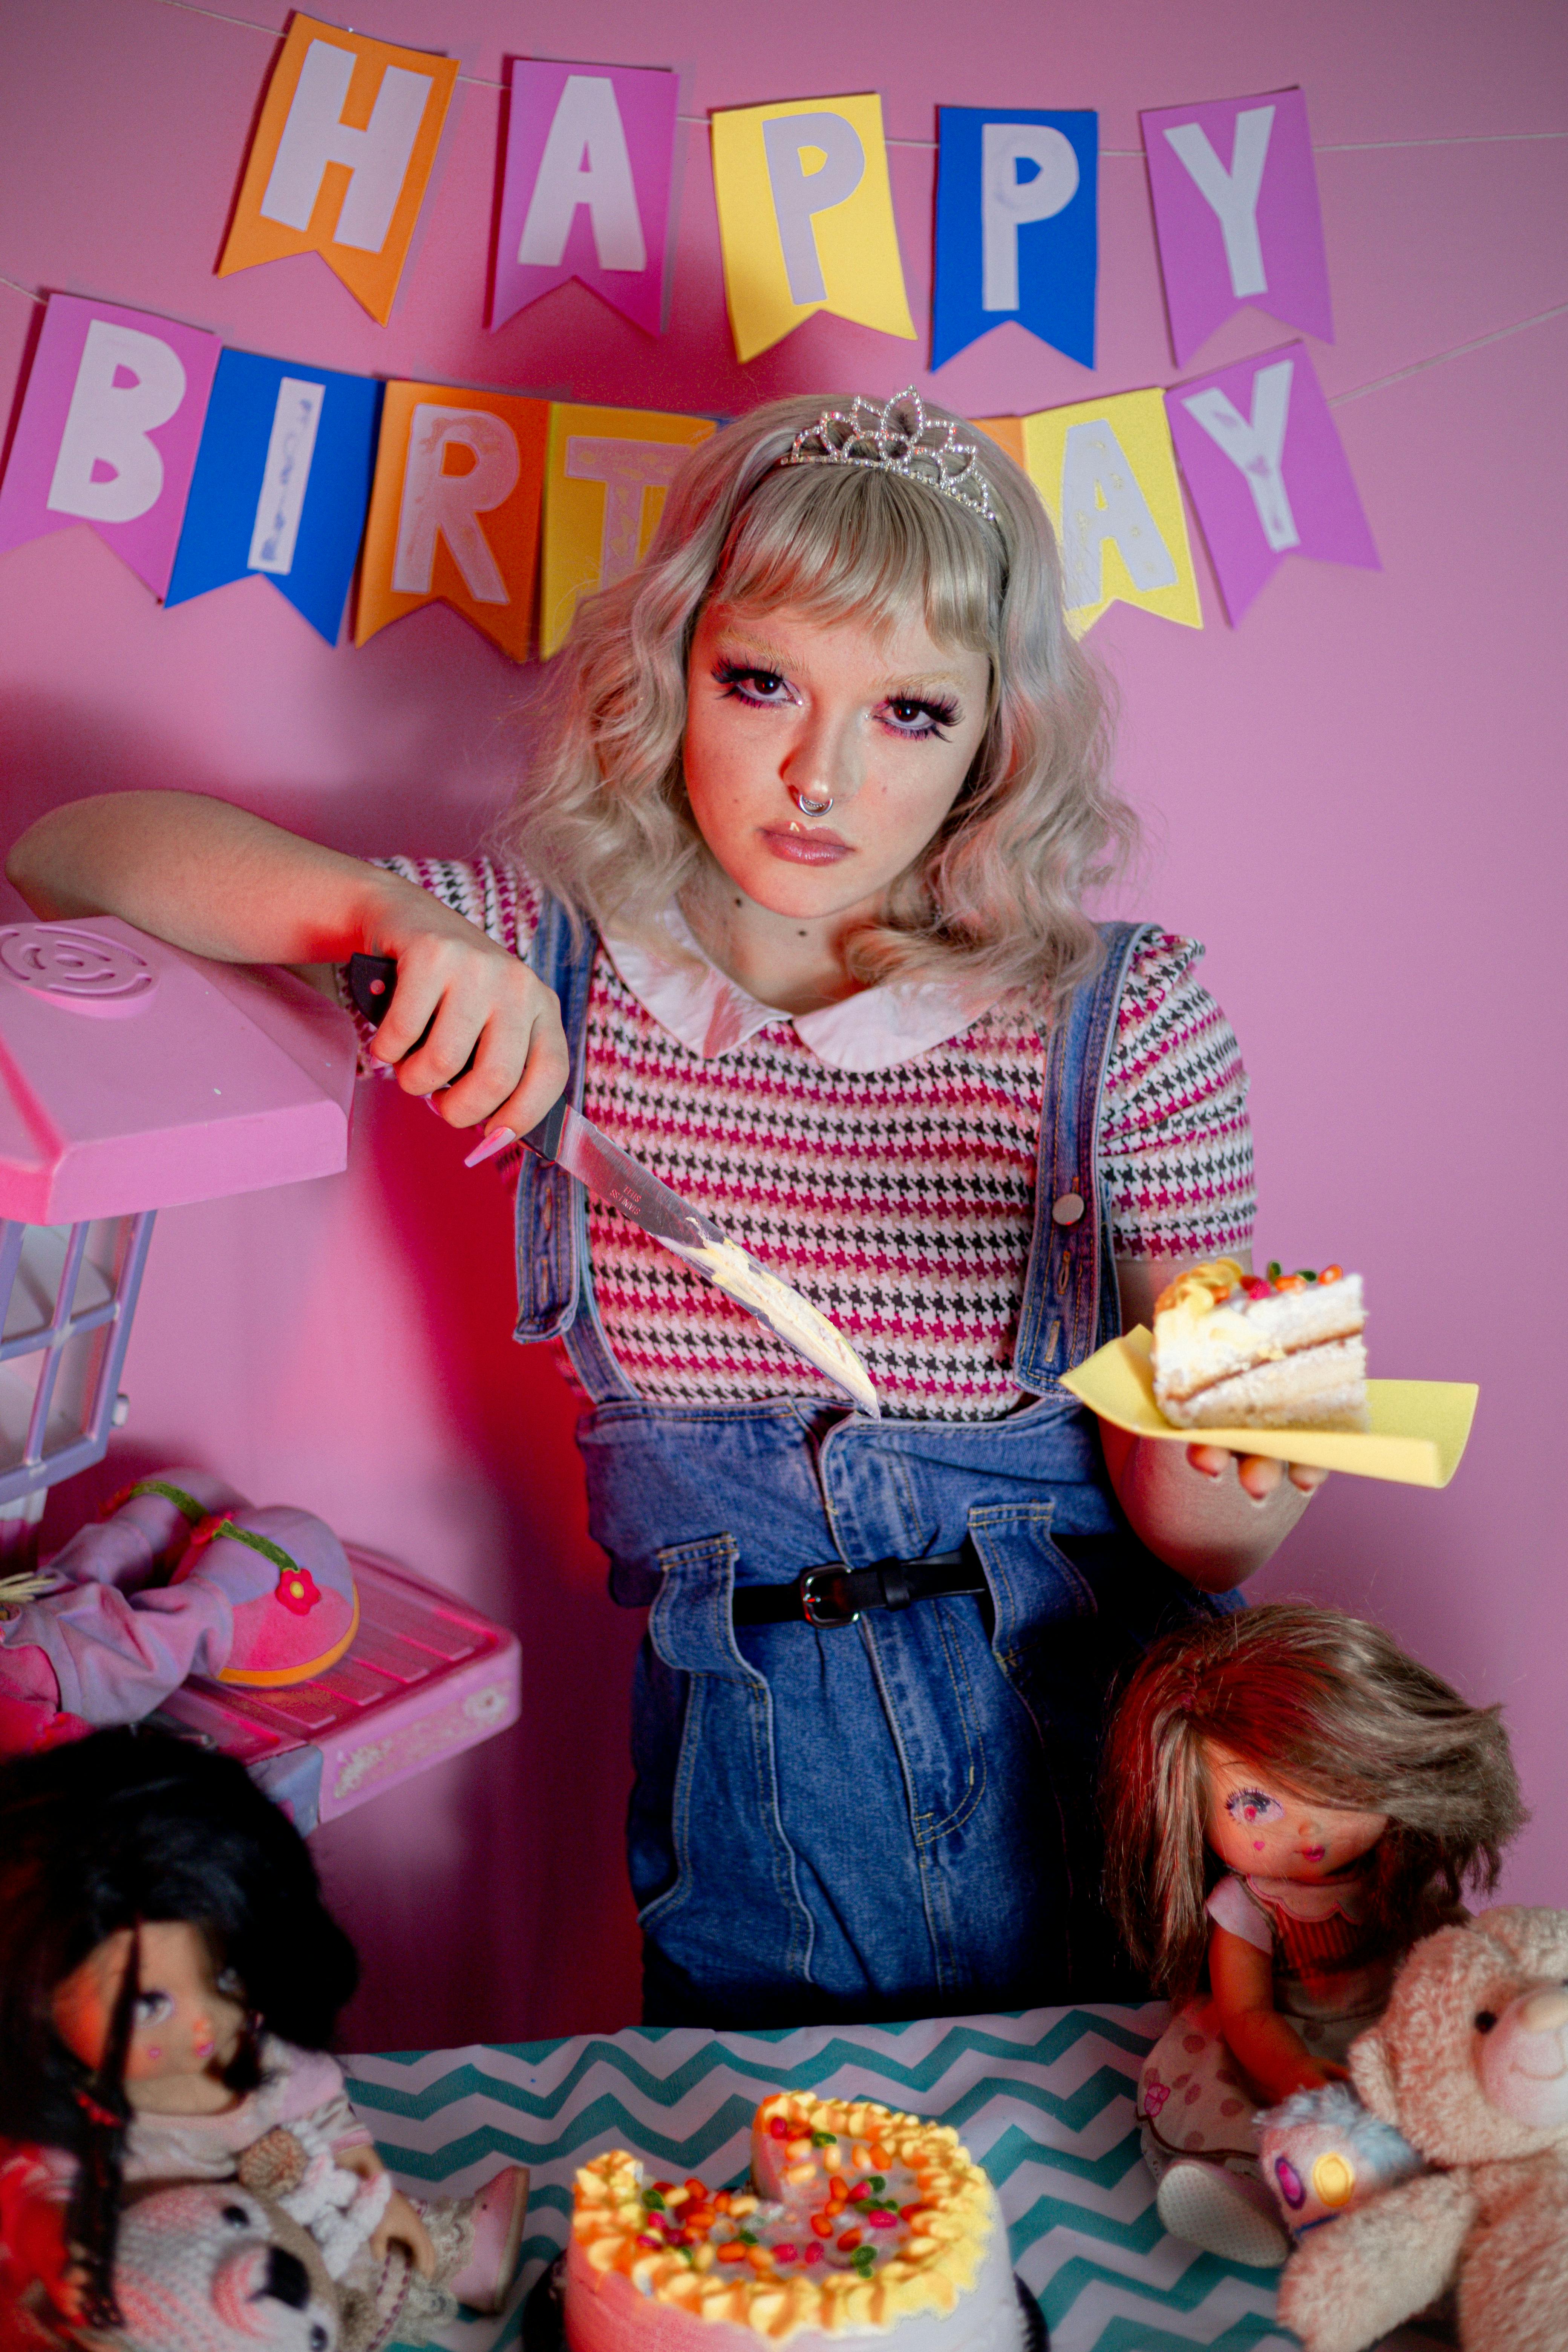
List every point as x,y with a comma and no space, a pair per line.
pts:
1235,210
342,156
589,153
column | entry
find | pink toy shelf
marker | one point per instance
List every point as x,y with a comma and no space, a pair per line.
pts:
425,1678
133,1077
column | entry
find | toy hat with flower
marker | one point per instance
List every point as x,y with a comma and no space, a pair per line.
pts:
295,1607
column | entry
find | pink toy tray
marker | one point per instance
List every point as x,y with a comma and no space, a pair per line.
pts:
424,1677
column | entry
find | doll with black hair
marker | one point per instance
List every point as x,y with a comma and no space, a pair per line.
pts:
170,1978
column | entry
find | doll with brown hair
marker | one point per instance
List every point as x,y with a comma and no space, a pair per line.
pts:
1291,1802
169,1981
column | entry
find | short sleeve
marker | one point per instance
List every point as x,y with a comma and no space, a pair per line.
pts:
503,901
1232,1907
1176,1146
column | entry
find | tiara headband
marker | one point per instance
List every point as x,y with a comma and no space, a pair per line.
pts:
898,440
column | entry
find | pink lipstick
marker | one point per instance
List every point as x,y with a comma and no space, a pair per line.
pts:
796,846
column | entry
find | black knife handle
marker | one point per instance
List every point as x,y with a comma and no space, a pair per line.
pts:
371,982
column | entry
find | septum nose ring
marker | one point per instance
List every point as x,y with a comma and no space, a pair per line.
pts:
808,807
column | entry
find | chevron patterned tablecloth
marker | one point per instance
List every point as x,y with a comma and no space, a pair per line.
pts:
1043,2100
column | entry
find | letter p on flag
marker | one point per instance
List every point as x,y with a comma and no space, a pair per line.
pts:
342,157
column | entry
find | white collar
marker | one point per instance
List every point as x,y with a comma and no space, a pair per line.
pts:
712,1014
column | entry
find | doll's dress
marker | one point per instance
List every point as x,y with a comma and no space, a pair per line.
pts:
382,2297
1332,1971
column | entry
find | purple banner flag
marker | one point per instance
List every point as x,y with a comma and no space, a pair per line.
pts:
589,153
1267,472
1235,210
108,431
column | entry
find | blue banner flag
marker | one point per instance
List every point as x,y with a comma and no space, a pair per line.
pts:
281,486
1016,226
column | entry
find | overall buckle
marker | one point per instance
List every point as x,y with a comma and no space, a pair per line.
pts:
825,1598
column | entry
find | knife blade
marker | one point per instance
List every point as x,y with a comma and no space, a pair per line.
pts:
612,1175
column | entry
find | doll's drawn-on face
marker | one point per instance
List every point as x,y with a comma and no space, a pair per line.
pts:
1261,1827
187,2023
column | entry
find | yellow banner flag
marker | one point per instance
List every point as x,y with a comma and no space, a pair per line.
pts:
454,512
604,481
1107,474
343,152
806,218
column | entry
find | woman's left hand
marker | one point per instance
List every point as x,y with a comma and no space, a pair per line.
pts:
1257,1474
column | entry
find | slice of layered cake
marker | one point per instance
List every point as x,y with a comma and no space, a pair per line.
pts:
1236,1350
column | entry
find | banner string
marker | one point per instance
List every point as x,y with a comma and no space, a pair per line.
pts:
703,121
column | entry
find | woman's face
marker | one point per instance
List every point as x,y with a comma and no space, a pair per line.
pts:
184,2023
787,707
1262,1828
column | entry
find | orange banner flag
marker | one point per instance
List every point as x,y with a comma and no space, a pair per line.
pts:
342,156
454,512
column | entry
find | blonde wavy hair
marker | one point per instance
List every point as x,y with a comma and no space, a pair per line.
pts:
602,817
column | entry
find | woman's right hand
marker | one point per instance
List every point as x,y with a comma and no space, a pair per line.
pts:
482,1000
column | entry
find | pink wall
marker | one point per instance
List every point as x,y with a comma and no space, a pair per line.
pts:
1348,798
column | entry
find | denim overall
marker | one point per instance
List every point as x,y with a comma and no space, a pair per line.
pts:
893,1818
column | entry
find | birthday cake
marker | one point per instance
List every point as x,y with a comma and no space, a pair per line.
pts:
859,2227
1236,1350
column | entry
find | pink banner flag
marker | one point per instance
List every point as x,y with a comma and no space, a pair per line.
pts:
1235,209
108,431
589,153
1267,472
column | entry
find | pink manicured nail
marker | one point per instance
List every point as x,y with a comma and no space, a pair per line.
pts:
489,1147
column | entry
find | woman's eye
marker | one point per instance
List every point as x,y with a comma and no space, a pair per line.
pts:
764,686
1253,1805
908,717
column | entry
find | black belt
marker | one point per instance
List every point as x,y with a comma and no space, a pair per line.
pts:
835,1595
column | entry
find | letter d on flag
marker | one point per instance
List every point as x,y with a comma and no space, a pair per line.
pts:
341,159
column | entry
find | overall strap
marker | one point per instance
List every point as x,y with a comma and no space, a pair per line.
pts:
1069,1291
554,1282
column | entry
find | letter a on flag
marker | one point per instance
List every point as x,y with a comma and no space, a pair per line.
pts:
1105,472
341,158
109,431
603,493
806,218
1268,472
589,151
1235,210
454,515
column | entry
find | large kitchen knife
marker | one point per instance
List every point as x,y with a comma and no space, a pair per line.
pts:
574,1143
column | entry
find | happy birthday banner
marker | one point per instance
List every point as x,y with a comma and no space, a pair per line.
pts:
200,466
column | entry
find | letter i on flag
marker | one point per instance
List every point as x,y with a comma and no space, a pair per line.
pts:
603,492
1235,211
806,218
1268,472
108,431
589,152
1106,473
282,484
1016,234
341,159
454,515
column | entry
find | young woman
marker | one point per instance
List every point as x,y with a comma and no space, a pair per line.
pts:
798,881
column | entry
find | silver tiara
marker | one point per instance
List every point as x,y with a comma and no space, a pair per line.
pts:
898,439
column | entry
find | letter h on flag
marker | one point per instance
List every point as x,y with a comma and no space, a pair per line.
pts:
589,153
342,156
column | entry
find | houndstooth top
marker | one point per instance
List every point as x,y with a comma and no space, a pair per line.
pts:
899,1198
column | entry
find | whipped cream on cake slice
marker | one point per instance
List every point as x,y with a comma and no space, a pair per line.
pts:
1234,1350
859,2228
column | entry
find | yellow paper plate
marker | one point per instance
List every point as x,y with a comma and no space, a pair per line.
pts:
1419,1428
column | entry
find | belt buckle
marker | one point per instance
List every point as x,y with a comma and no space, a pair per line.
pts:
815,1585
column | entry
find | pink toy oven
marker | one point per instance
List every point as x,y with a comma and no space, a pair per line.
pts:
134,1077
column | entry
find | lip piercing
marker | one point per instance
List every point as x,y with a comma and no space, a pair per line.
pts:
810,807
